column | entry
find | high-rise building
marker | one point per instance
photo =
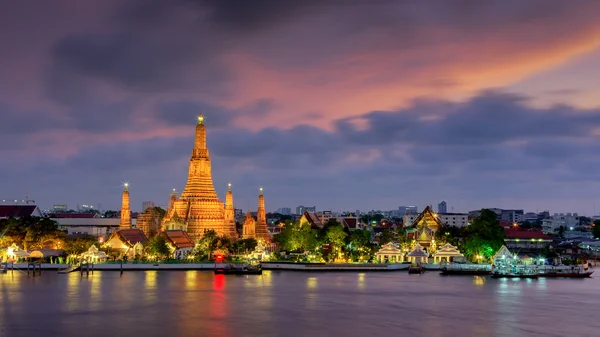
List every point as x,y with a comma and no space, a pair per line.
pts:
301,209
199,209
402,210
442,207
60,208
284,211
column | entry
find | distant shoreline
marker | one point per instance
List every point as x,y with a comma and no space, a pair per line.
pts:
286,266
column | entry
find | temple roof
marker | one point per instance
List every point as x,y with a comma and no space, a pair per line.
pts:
312,219
131,236
179,239
389,248
448,250
418,252
503,251
16,211
427,218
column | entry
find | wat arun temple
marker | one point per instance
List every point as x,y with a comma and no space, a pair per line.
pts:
199,209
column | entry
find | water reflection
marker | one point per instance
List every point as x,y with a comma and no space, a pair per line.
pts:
190,279
150,284
73,286
479,281
95,292
361,281
293,305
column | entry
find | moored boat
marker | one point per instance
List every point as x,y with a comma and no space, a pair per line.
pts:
415,269
243,269
573,272
465,269
514,275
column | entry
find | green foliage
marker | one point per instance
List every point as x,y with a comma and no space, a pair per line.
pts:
160,212
296,238
210,243
596,229
79,245
157,246
386,236
31,232
484,236
244,245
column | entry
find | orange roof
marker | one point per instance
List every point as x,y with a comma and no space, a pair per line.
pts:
132,236
179,239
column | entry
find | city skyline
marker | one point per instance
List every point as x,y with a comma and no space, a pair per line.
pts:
489,104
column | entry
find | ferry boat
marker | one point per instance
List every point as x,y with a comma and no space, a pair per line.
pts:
465,269
570,272
515,272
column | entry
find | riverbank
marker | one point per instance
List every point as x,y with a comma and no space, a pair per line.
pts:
287,266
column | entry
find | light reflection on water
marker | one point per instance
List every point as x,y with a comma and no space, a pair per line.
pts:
197,303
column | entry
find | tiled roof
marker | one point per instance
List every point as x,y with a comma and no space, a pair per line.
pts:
132,236
179,239
350,222
16,211
521,234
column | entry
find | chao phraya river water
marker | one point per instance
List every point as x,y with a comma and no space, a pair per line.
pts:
197,303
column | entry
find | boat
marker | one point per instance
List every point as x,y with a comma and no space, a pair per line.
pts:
574,272
465,269
415,269
515,272
514,275
243,269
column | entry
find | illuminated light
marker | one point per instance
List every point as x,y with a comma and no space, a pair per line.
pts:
200,118
515,224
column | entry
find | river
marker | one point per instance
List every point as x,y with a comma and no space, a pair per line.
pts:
198,303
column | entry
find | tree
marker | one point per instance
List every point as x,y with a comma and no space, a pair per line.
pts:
386,236
596,229
78,245
484,235
157,246
160,212
297,238
359,245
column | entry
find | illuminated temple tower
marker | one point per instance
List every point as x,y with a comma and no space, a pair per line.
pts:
262,233
229,208
249,227
198,209
125,222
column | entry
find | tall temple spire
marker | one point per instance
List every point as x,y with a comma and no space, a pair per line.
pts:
198,208
262,232
229,207
199,184
125,222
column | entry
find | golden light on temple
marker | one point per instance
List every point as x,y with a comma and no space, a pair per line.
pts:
200,118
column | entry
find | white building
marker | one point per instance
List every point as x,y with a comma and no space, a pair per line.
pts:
92,226
556,220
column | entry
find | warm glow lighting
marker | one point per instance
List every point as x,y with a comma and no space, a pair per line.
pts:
200,119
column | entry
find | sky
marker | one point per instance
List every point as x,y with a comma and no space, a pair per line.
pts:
342,105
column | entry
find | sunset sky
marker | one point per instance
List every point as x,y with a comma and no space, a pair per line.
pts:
343,105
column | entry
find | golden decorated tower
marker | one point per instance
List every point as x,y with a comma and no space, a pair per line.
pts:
125,222
262,232
229,208
199,209
249,227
